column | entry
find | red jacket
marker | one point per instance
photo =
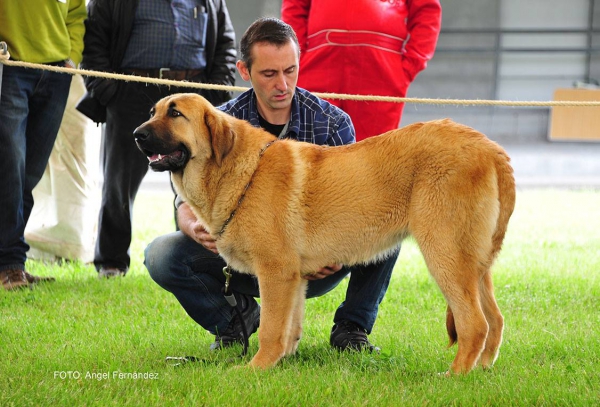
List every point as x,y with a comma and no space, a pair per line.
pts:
368,47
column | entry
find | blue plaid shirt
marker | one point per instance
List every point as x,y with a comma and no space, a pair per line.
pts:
313,120
168,34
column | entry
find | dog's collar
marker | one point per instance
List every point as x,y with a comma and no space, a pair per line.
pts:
245,190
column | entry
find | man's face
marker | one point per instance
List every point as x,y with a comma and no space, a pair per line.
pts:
274,75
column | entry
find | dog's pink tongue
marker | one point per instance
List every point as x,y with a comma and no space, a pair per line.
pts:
158,157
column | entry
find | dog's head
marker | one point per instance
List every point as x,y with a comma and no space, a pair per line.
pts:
184,127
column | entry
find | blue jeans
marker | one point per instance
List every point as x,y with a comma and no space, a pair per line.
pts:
32,103
195,276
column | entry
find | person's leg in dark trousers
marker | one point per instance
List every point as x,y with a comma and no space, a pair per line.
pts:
124,168
194,275
366,289
32,103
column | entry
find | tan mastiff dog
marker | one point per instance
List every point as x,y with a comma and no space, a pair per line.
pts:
281,209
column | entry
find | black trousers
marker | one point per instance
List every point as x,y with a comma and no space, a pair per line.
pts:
124,168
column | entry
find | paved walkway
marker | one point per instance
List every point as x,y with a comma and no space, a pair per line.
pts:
551,164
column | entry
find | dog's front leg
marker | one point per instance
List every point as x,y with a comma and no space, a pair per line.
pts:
278,293
297,319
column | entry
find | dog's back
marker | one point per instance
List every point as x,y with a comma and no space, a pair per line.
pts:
413,180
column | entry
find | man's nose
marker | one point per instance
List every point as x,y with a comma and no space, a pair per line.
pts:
281,84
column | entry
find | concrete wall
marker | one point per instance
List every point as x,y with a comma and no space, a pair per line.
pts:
472,65
511,73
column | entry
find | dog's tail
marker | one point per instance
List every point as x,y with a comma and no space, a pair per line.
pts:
506,197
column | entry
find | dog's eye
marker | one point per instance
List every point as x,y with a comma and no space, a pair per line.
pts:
152,111
175,113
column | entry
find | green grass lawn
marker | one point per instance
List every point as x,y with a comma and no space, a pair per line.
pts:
85,342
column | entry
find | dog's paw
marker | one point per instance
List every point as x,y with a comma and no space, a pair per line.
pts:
292,347
264,360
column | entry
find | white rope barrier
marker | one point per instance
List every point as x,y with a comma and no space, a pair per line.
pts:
341,96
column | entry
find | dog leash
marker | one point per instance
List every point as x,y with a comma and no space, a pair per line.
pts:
237,308
228,294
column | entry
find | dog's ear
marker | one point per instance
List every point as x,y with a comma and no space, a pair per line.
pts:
221,134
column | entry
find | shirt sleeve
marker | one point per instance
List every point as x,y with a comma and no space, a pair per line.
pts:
223,65
345,133
423,23
97,50
295,13
75,25
178,201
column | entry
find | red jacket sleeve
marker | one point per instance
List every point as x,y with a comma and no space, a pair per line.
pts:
295,13
424,22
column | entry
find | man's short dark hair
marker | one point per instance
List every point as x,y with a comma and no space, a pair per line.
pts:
268,30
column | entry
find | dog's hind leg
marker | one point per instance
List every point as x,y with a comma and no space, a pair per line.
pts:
278,292
506,199
471,325
494,319
456,274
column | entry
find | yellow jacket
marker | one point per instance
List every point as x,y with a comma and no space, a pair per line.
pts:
43,31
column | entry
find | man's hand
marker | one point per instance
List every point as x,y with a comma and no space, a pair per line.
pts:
324,272
190,226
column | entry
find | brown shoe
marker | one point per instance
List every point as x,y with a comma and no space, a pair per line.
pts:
37,279
13,279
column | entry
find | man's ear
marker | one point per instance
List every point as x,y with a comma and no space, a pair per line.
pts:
243,70
221,134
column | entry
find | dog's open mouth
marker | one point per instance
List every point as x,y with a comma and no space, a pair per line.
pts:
167,162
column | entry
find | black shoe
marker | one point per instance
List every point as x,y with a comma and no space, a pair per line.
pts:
233,334
346,335
110,272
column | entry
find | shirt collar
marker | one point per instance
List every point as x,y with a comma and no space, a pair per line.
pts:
294,125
